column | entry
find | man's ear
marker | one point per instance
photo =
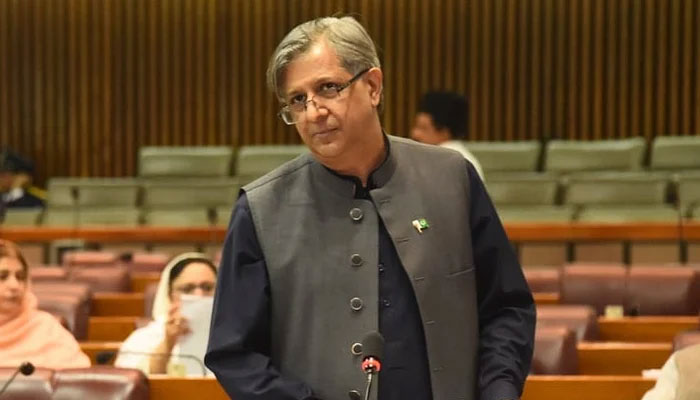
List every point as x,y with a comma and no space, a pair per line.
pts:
375,78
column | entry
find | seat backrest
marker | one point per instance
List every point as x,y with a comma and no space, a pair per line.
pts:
22,216
621,214
55,297
518,156
147,262
257,160
68,307
617,189
90,258
685,339
100,382
106,192
108,216
580,319
663,291
597,285
37,386
209,161
61,192
523,190
689,192
555,351
198,216
542,279
48,273
205,193
566,156
113,278
675,152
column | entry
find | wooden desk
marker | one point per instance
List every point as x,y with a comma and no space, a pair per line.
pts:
581,387
111,328
544,387
546,298
645,328
117,304
141,280
598,358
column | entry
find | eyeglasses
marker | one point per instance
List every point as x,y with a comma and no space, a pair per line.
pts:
292,112
206,287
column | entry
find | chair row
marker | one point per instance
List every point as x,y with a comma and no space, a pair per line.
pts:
121,216
559,349
560,156
642,290
602,197
247,162
77,383
667,153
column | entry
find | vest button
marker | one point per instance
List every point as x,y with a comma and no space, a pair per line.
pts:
356,349
356,304
356,260
356,214
354,395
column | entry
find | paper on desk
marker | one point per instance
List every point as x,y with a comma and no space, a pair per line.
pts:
197,311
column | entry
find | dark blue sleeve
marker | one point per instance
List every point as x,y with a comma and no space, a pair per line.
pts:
506,306
239,338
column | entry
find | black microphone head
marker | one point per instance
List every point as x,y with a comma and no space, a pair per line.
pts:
26,368
104,357
373,345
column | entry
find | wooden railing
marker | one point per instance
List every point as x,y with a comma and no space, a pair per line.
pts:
521,232
544,387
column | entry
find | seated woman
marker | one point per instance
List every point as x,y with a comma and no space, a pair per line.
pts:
27,334
680,377
154,348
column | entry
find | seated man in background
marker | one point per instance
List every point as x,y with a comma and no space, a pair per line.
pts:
442,121
16,190
680,377
155,348
27,334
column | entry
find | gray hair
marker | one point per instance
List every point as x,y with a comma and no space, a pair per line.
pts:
345,35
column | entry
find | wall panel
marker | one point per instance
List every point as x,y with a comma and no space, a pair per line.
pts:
85,83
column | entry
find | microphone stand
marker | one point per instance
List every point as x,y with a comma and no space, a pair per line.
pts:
369,385
106,356
26,369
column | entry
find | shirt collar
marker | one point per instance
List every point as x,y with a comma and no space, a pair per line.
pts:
377,178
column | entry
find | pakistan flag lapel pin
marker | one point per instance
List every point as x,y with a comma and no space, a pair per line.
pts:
420,224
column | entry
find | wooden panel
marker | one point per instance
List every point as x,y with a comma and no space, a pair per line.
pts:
111,328
586,387
644,329
84,84
546,298
525,232
621,358
141,280
117,304
536,388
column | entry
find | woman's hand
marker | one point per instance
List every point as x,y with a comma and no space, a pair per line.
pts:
176,325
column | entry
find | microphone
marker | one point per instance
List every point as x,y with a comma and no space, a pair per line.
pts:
105,357
26,369
372,353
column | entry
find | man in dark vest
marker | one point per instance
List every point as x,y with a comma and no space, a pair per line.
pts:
367,232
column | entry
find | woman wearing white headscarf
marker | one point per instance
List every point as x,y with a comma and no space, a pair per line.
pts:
154,348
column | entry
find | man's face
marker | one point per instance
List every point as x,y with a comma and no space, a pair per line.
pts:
332,127
424,130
